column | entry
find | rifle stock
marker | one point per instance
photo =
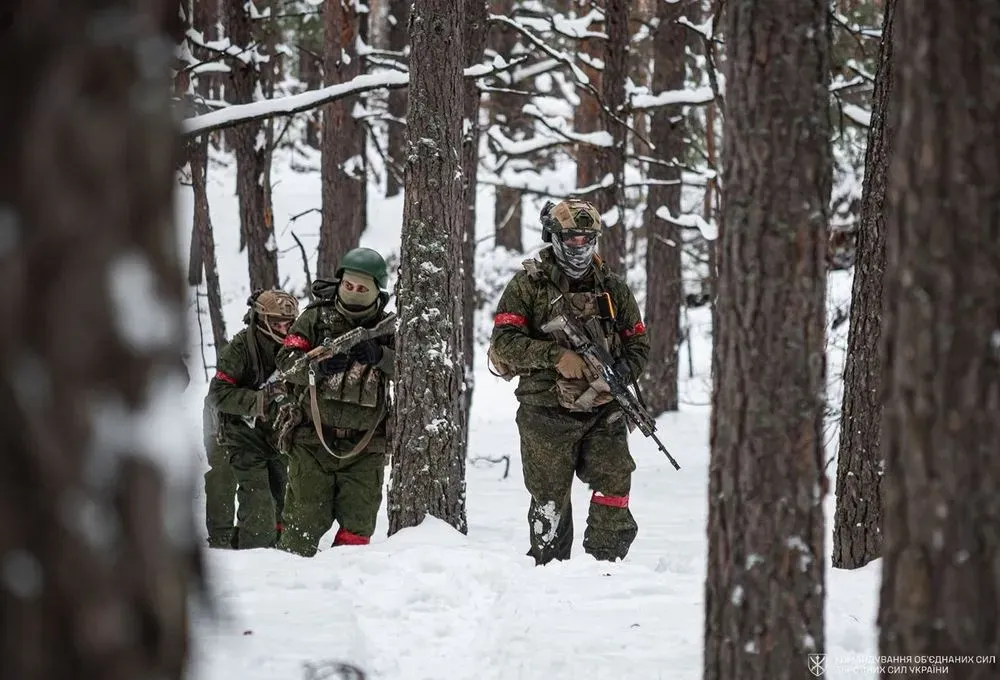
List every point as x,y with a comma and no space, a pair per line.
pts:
602,363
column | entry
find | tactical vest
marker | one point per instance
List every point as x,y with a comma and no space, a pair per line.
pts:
595,312
360,384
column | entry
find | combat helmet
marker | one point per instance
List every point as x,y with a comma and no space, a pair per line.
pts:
366,261
571,215
272,307
572,227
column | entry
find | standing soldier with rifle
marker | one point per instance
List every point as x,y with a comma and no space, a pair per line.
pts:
246,401
339,355
569,420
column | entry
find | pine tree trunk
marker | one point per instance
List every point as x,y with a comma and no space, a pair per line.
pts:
206,240
428,461
97,555
252,176
941,428
505,110
476,16
857,531
664,287
342,167
587,113
610,200
399,14
765,586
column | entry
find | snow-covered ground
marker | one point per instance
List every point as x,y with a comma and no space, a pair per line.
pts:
430,603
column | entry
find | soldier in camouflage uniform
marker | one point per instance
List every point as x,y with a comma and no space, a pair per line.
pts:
246,399
566,425
220,485
337,451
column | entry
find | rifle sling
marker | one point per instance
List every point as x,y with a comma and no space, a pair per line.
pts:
317,424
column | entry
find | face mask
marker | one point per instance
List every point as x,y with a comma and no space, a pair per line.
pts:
352,302
576,260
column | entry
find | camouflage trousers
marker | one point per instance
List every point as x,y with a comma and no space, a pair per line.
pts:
556,445
261,474
323,490
220,488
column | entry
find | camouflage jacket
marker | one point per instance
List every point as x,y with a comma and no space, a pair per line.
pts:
347,400
233,390
529,301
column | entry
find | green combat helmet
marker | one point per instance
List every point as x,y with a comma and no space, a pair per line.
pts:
363,261
366,261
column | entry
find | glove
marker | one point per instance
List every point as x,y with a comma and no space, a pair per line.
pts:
338,363
267,401
570,364
367,352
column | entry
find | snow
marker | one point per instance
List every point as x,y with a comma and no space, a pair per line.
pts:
431,603
292,103
698,95
857,114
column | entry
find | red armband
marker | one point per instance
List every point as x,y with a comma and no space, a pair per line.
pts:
638,329
508,319
225,377
297,342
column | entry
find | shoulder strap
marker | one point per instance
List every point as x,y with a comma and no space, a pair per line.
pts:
317,423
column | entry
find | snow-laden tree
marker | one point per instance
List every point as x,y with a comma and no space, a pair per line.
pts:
764,598
428,456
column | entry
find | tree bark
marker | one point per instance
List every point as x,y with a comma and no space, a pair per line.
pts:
476,15
428,461
251,150
342,167
610,200
587,113
399,14
764,596
505,110
97,556
664,286
941,428
206,240
857,531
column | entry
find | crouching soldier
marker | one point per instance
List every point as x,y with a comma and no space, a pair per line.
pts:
220,485
246,402
337,450
566,423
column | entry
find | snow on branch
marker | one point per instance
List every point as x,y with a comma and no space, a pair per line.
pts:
858,114
699,95
559,126
286,106
565,58
691,221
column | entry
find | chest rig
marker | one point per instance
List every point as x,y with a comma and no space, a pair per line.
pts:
595,312
359,384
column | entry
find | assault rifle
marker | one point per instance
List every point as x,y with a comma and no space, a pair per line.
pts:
343,343
603,364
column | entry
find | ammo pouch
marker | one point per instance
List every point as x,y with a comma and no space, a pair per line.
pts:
360,384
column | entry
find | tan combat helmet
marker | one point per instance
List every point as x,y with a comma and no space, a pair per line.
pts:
575,214
274,306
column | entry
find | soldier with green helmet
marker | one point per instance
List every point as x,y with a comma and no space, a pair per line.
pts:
568,423
245,395
337,449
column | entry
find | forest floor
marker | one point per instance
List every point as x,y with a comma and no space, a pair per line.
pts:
430,603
